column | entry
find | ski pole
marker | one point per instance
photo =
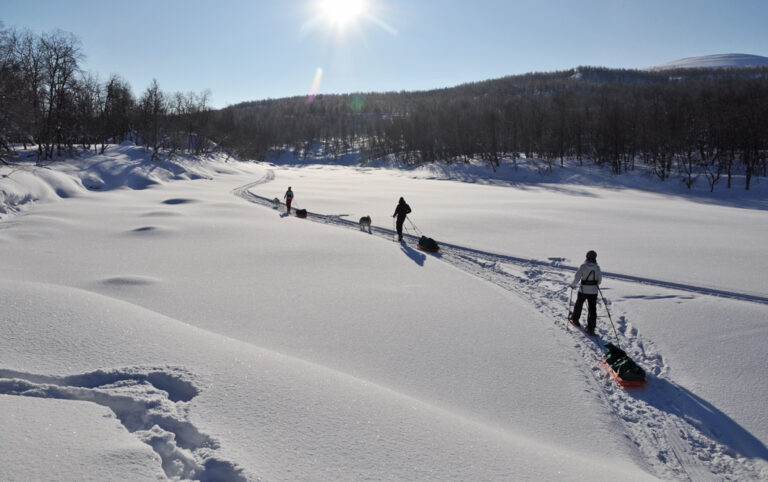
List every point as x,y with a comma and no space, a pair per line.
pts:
394,238
417,230
618,343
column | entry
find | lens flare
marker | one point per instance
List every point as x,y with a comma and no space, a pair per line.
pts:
315,85
357,103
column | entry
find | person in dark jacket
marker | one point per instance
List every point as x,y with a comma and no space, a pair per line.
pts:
587,279
288,198
401,211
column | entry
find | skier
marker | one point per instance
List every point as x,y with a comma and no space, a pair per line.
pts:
589,277
401,211
288,198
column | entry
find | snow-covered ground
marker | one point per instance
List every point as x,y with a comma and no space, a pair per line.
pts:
717,61
190,330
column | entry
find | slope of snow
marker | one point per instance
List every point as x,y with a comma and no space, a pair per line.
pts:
45,438
238,343
718,61
278,416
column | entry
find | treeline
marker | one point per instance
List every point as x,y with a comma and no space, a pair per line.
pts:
49,102
679,124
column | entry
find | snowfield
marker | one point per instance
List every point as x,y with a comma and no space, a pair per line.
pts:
163,320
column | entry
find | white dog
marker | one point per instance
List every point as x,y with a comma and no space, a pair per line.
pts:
276,203
365,223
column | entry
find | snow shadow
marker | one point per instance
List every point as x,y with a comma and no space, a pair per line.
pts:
151,403
702,415
150,231
158,214
175,201
557,263
123,281
416,256
686,287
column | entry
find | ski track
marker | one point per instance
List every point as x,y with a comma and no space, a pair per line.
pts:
666,424
151,403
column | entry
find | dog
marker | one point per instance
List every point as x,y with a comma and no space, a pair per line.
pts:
276,203
365,223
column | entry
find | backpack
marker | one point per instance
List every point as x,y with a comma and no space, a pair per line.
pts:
624,366
428,244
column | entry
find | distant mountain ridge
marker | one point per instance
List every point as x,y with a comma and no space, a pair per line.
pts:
718,61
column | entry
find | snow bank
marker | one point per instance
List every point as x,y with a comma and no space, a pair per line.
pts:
123,166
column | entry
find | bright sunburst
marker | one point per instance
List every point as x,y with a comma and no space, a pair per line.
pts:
342,12
343,17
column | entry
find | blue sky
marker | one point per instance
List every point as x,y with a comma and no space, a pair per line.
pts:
252,49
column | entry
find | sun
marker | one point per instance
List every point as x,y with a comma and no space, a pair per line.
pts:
341,13
343,18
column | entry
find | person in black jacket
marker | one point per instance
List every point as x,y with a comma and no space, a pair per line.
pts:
401,211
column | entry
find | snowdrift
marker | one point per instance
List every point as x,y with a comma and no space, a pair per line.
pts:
126,166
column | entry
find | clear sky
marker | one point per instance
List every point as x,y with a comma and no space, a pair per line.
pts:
256,49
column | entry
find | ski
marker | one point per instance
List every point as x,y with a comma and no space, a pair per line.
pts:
579,325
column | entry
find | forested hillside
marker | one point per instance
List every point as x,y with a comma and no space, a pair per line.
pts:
687,122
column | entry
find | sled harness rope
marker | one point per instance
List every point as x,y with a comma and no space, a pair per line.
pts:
417,230
590,282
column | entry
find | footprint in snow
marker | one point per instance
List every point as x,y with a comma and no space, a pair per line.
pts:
151,403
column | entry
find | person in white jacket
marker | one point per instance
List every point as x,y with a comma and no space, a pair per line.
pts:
587,279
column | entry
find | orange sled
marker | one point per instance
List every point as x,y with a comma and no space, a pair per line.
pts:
621,381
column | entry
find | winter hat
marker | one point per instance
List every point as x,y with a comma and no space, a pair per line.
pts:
591,255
